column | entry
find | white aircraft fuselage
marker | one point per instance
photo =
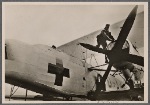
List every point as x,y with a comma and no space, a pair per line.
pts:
48,71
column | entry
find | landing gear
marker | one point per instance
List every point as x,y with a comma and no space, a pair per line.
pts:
129,82
12,92
26,94
114,73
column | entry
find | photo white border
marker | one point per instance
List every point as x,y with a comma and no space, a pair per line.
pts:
79,3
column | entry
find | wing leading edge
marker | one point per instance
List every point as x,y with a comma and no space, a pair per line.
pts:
72,48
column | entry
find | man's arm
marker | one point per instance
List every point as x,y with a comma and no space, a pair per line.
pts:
111,37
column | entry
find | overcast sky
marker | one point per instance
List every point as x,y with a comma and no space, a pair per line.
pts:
58,24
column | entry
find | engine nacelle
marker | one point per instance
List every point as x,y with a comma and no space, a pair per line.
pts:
128,67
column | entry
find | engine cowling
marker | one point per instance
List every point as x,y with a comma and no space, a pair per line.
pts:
128,67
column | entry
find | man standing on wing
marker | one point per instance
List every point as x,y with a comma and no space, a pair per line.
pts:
104,36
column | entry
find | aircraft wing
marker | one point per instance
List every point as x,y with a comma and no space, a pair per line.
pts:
136,37
74,49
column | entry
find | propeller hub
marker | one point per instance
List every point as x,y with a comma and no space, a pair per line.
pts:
115,56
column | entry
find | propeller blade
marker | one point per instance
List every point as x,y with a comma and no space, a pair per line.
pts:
93,48
103,80
134,59
125,29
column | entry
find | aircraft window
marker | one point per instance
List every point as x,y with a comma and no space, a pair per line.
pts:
6,52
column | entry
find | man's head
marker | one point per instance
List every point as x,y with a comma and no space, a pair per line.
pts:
107,27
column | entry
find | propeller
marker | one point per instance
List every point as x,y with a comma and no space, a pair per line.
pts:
125,29
93,48
116,54
133,58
